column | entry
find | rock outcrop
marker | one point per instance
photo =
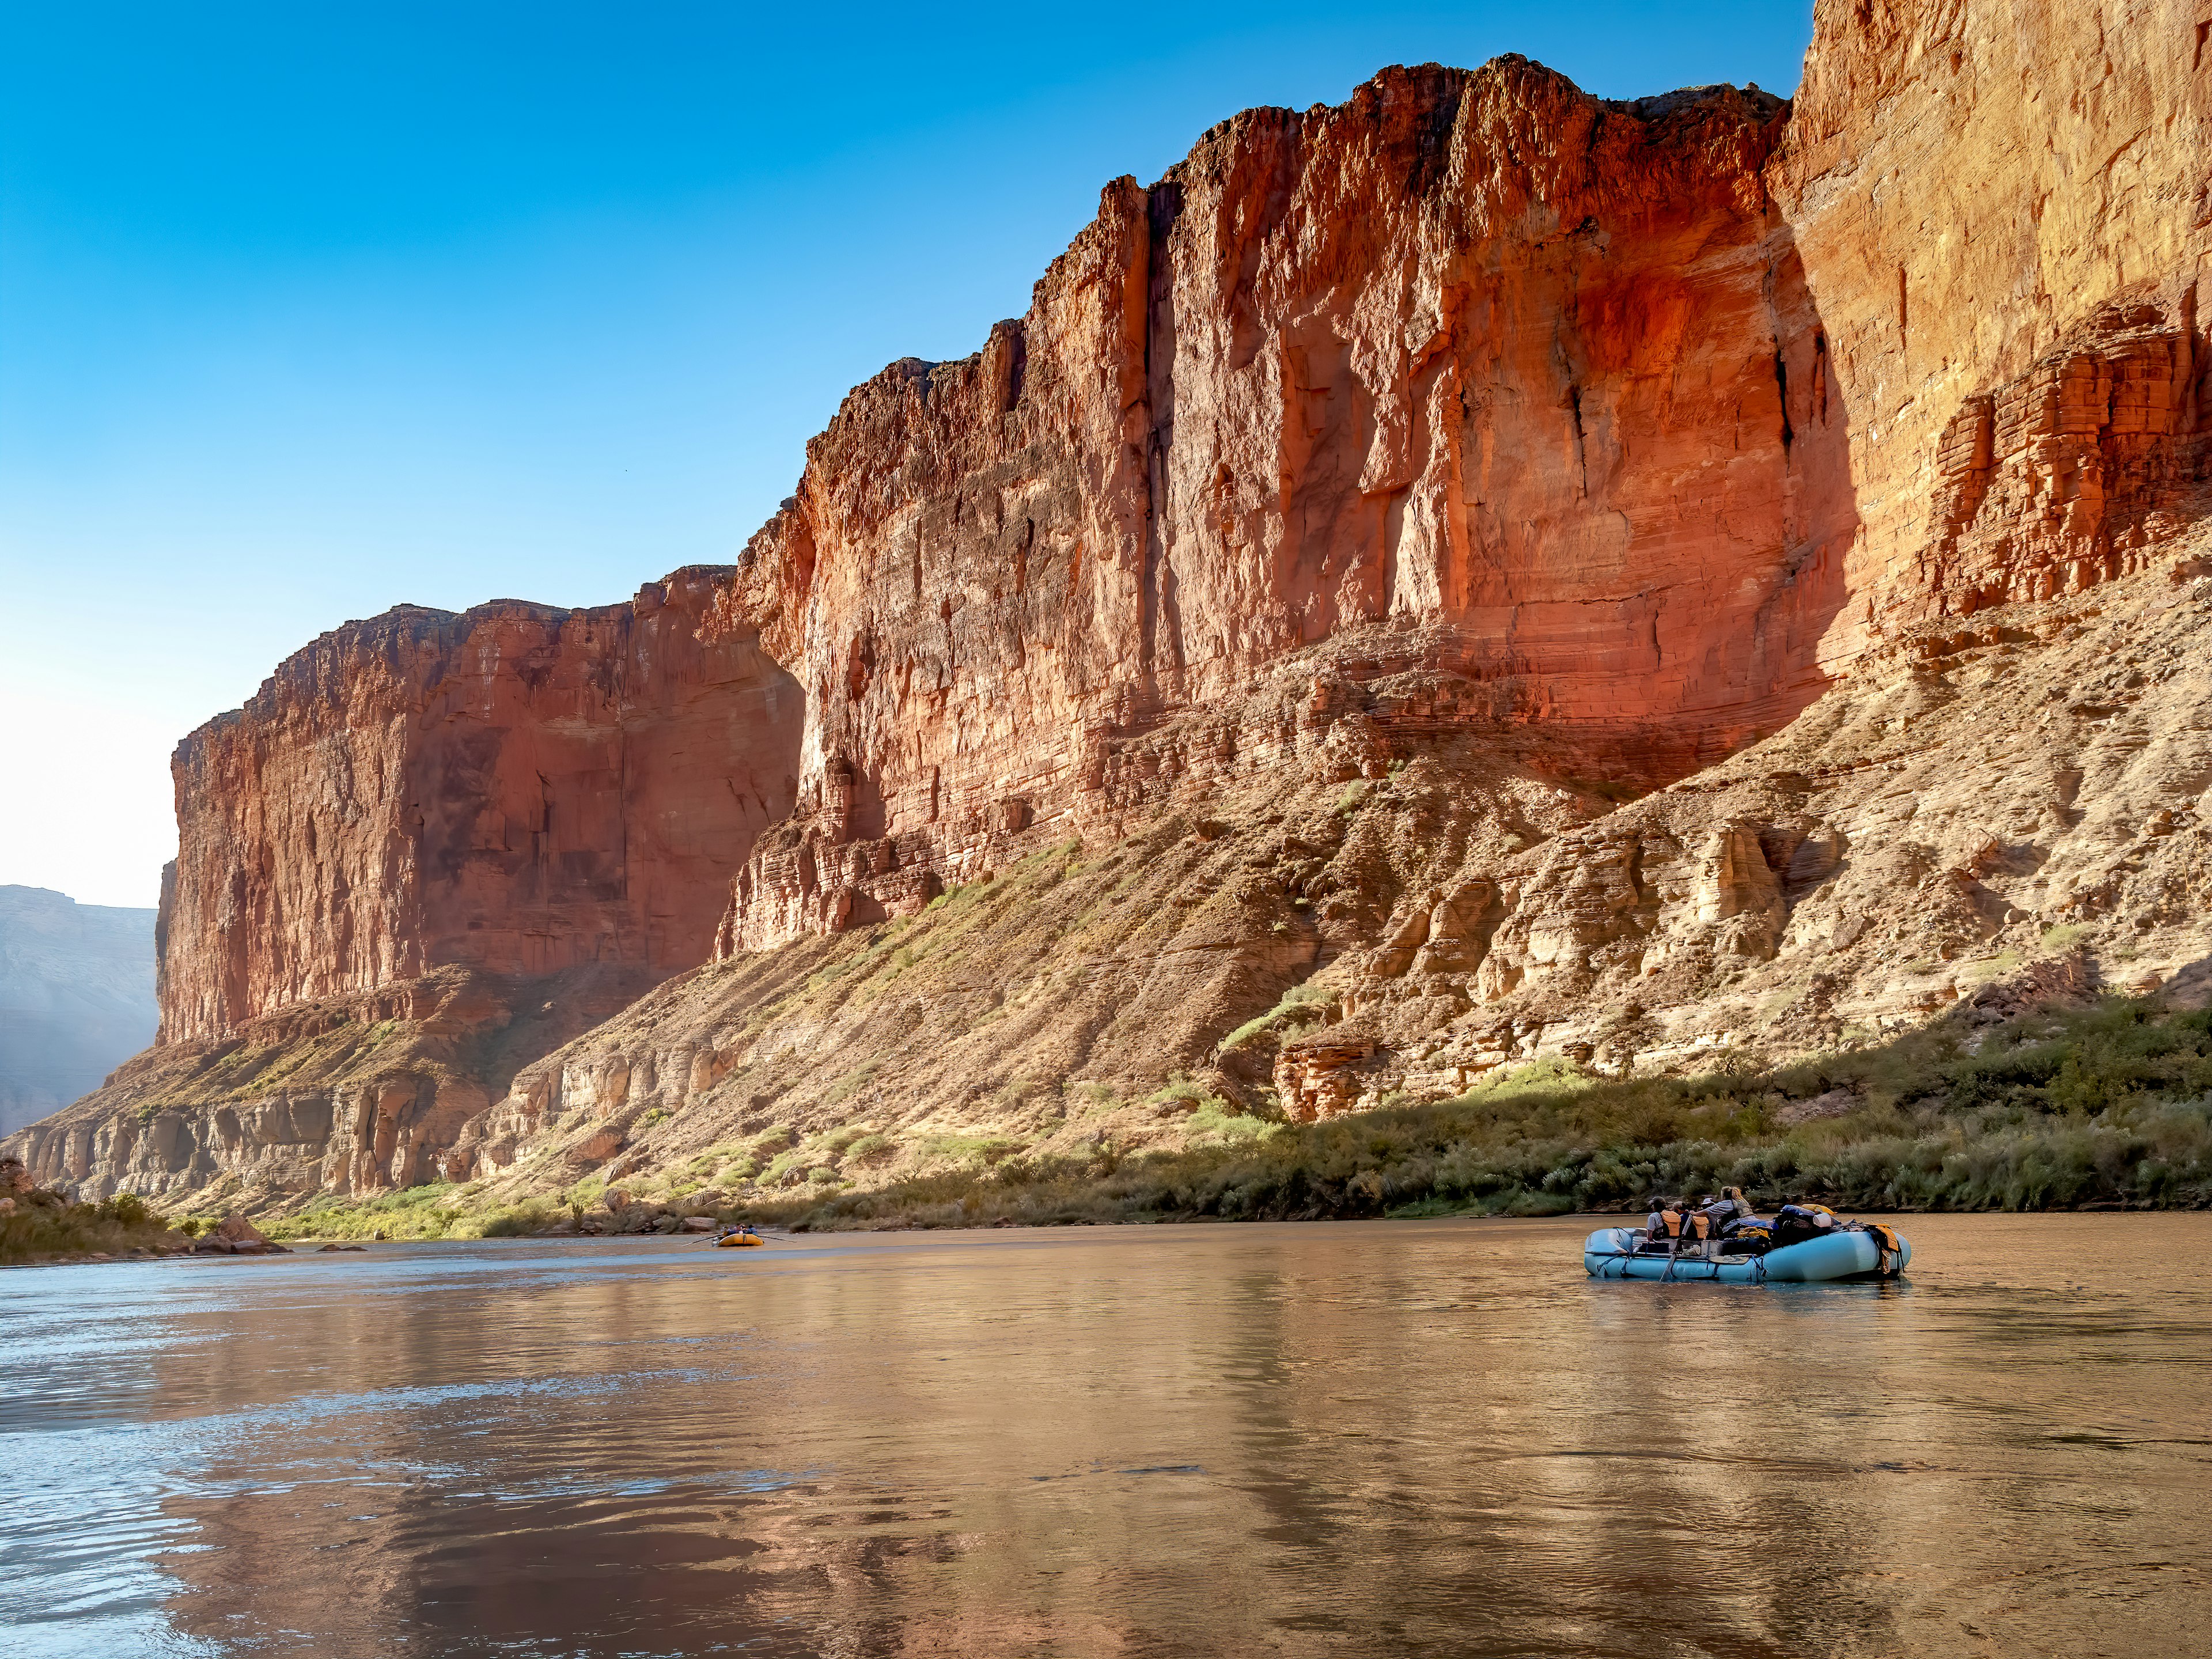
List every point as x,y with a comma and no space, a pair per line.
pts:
236,1236
1476,573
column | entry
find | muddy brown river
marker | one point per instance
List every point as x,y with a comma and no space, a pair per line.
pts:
1380,1438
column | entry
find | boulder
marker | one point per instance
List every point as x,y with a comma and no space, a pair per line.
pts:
236,1236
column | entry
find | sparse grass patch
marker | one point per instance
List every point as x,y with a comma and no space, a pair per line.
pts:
1988,967
852,1083
700,1162
1297,997
1216,1117
1537,1077
433,1210
983,1150
1178,1088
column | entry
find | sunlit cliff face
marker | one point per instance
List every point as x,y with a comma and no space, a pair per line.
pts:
1562,449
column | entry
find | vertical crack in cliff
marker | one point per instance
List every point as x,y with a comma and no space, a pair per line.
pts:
1160,627
622,834
542,841
1582,452
1781,390
1432,148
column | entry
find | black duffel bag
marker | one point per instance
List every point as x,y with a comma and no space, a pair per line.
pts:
1794,1223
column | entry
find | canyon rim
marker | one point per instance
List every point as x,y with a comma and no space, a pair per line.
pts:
1474,574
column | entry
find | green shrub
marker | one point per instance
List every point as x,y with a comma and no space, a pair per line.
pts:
44,1227
1297,997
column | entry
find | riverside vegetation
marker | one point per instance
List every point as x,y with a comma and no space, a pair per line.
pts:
2110,1105
2107,1106
36,1226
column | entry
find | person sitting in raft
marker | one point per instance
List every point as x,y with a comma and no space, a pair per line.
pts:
1700,1232
1663,1227
1730,1205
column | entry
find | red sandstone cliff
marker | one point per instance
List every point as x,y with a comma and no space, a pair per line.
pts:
1474,420
520,790
2005,208
1619,413
1496,372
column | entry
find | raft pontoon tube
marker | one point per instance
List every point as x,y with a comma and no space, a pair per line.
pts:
1612,1253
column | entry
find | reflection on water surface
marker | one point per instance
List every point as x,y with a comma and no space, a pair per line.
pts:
1373,1439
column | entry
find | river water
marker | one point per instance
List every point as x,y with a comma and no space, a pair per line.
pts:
1360,1439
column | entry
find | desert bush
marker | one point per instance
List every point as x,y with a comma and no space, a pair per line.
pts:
1297,997
44,1227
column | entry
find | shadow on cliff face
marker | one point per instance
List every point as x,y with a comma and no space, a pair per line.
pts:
1745,655
1675,594
551,840
1820,515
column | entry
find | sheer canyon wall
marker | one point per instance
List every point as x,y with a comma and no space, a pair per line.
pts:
521,790
1563,447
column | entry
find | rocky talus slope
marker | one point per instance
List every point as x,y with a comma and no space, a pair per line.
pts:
1475,574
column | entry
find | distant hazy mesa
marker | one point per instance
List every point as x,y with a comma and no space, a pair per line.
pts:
76,997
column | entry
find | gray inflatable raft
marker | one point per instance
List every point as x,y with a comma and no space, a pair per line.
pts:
1612,1253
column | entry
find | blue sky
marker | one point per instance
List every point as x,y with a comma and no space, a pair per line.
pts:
306,311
